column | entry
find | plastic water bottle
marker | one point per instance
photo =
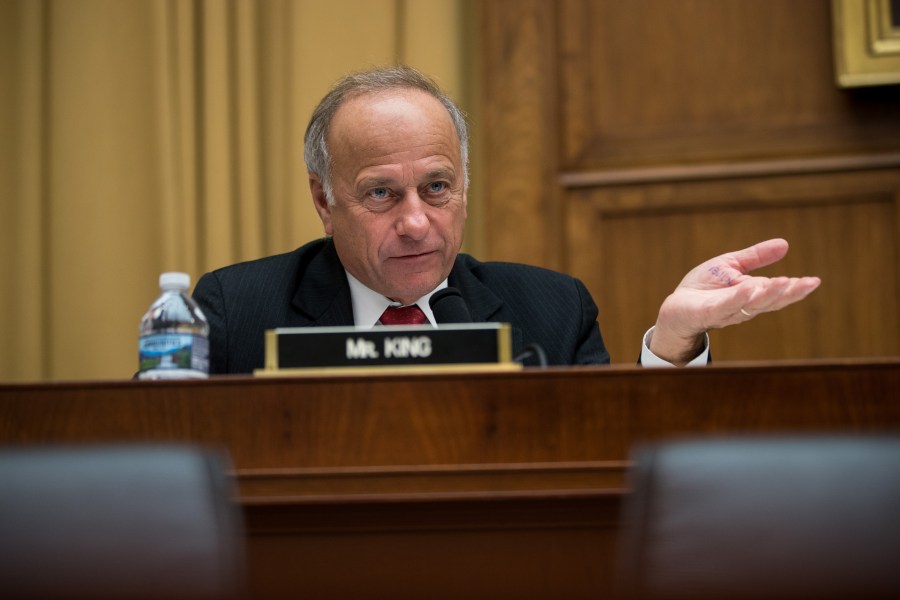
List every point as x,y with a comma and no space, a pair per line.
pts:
174,340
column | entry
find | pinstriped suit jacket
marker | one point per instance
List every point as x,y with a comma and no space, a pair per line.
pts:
308,287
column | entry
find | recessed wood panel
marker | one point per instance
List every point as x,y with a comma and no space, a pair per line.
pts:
632,245
655,82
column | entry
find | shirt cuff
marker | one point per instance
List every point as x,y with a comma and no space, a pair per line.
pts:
648,359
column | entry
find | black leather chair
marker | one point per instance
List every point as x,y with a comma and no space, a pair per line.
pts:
811,517
118,522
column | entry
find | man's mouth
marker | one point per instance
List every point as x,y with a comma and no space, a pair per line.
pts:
414,255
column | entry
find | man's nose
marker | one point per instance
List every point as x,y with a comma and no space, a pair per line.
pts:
412,220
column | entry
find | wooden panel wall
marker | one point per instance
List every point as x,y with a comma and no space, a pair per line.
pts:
625,142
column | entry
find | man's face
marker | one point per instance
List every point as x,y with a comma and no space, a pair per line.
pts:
399,192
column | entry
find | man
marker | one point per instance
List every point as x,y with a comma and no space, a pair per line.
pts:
387,156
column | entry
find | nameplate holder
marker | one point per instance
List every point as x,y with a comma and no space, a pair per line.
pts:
403,346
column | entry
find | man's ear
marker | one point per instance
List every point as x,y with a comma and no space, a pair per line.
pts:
320,201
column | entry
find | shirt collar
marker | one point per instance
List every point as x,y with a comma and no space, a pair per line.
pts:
368,305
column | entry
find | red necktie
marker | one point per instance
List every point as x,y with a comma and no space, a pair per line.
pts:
404,315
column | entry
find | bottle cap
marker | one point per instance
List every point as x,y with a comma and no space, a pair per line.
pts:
174,281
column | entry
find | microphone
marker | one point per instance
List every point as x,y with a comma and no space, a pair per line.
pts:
533,350
448,306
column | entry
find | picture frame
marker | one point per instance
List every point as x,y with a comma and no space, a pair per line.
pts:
866,35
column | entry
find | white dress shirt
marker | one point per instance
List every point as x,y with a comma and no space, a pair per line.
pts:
368,305
648,359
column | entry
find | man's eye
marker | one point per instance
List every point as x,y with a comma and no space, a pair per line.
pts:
380,194
436,187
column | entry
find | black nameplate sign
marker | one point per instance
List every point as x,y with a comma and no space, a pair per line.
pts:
400,345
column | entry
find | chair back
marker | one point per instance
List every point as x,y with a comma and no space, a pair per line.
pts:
118,522
764,518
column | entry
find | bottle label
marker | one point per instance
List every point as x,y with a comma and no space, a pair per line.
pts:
174,351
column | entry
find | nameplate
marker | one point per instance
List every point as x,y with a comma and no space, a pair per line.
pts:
400,345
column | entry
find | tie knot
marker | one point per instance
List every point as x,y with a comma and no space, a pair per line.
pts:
404,315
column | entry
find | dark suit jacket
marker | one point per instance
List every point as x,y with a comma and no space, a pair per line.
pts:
308,287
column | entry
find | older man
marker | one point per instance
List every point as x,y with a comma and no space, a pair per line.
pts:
387,156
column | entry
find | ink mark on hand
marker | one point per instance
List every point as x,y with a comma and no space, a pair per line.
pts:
720,274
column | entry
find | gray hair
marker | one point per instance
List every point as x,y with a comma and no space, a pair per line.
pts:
315,142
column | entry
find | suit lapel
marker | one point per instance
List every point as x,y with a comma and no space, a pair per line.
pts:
325,297
482,302
484,305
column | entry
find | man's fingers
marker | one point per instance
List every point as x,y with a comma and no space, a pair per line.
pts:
799,288
779,292
730,301
760,255
766,295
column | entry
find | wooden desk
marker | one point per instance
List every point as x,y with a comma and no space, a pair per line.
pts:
503,485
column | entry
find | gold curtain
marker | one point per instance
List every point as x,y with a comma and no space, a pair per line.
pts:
142,136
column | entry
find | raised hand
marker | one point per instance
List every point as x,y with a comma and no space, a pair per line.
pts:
719,293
